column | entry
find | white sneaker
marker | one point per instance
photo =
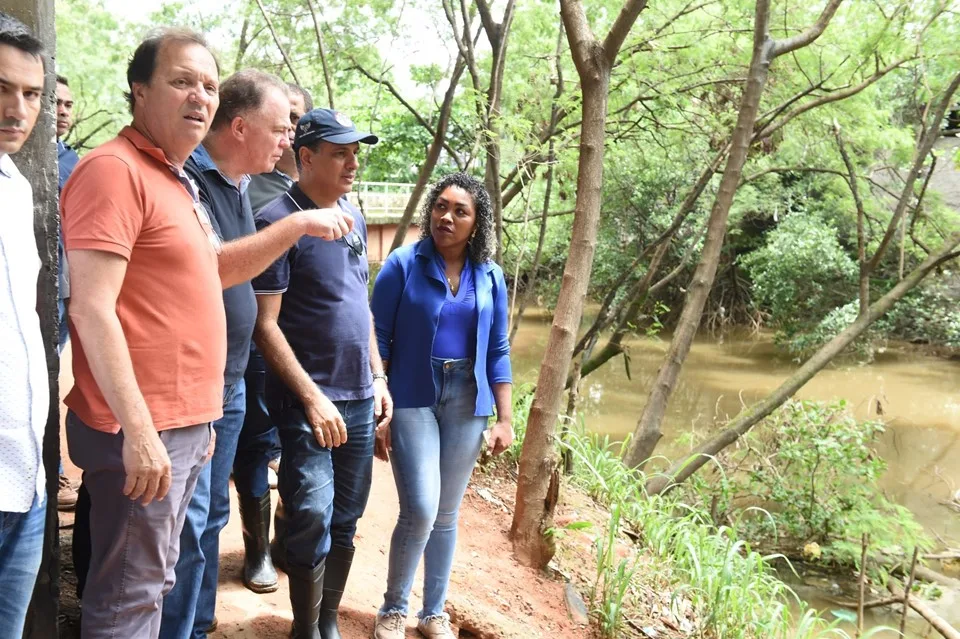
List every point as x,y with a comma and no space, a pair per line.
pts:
436,627
273,467
390,626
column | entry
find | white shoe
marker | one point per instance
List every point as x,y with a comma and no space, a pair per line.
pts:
436,627
390,626
273,467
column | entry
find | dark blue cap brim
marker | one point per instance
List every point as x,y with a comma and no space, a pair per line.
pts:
351,137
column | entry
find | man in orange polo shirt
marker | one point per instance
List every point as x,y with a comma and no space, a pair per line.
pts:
148,328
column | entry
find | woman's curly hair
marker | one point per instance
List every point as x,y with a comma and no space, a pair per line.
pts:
483,246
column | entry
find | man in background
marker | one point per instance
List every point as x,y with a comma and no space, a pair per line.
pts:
67,160
258,449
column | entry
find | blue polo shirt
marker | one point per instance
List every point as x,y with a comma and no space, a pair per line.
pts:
231,218
67,160
325,315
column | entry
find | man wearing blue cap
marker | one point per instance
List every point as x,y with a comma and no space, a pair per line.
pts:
325,385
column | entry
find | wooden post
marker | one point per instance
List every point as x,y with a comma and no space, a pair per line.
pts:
37,160
908,590
862,583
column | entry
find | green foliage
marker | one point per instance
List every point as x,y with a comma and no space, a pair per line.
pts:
812,469
731,588
928,315
92,51
801,270
613,577
805,343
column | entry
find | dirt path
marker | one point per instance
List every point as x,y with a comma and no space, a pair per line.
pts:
492,595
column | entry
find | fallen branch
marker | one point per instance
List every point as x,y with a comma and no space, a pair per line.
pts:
910,580
937,622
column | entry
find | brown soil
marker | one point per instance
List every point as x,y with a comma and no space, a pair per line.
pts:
491,596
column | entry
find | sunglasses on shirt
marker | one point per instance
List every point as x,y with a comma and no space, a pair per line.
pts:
354,243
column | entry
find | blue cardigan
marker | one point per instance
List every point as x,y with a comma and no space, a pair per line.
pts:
407,298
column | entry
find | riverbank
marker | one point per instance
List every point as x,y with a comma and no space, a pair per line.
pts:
491,596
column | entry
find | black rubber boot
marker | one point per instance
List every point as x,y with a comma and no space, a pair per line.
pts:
278,547
259,575
338,569
306,593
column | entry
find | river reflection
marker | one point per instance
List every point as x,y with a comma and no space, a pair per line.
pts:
918,395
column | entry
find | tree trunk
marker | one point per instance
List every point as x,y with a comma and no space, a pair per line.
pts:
922,609
749,417
765,50
538,460
538,481
613,346
537,255
37,160
430,162
647,433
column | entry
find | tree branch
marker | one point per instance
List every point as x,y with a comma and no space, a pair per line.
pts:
413,111
750,416
769,128
815,30
923,150
323,56
276,39
621,27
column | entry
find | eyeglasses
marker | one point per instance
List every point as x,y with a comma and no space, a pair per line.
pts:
354,243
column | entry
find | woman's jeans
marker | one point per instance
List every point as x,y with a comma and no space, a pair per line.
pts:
434,452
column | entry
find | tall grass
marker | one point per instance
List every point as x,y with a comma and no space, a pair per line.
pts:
732,589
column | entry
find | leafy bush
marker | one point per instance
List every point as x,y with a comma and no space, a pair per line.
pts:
813,471
799,272
929,315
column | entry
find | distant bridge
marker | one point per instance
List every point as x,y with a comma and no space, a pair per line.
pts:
382,204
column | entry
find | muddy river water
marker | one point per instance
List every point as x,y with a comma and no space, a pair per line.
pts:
918,394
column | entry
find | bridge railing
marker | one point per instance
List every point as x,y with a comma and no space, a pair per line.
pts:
383,200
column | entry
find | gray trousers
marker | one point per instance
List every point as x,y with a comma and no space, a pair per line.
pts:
133,548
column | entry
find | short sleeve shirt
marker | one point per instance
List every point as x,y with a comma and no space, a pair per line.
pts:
325,315
267,187
231,218
126,198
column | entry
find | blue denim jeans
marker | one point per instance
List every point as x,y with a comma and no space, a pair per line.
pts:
434,452
188,609
21,545
259,442
324,490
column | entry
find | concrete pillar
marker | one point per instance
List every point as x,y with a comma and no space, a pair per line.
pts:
37,160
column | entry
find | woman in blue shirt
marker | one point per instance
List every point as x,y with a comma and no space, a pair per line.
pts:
440,314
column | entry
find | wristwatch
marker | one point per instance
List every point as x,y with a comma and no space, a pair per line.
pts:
382,376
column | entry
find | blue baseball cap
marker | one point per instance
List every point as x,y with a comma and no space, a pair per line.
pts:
329,126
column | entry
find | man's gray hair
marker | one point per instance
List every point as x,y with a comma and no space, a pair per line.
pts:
243,92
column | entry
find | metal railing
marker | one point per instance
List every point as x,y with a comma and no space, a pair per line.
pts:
382,199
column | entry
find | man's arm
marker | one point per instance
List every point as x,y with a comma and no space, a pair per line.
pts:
96,278
245,258
328,426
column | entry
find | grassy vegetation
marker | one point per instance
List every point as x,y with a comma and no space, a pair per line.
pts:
731,588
